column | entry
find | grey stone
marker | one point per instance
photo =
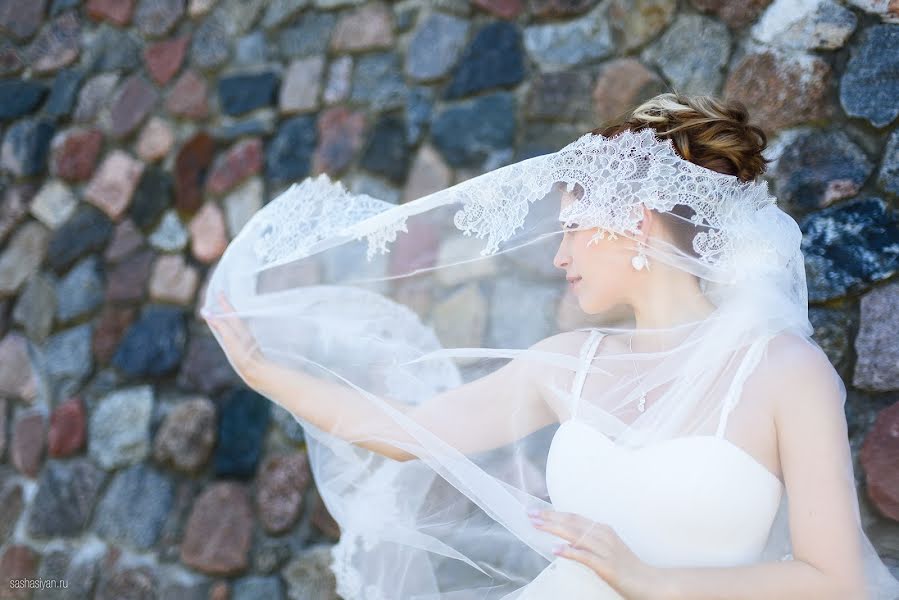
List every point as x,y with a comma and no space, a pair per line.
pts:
581,40
378,82
824,25
210,45
112,49
877,342
36,306
66,494
279,11
26,146
513,305
134,506
309,36
80,291
692,54
255,587
170,235
435,46
888,177
78,565
157,17
22,256
119,427
64,92
69,359
309,576
832,332
95,93
251,49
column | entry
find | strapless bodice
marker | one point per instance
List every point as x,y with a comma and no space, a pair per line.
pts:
692,501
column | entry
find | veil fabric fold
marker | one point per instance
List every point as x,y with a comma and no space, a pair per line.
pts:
468,384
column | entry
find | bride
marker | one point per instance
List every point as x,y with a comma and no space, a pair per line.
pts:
587,375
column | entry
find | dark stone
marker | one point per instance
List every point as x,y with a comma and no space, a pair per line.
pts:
127,280
66,493
12,502
289,154
80,568
378,81
819,168
21,18
559,8
86,231
309,36
243,421
561,96
191,165
870,83
60,6
888,177
206,368
153,195
157,17
239,94
419,106
134,506
27,144
255,587
387,152
465,133
154,345
493,59
833,328
849,246
57,45
131,103
19,97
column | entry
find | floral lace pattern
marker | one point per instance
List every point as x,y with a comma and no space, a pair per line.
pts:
315,210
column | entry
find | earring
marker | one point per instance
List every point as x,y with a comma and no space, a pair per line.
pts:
640,261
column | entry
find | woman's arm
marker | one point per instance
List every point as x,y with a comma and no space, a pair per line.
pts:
816,461
480,415
486,413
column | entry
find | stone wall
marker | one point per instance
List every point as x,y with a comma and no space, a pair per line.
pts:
138,136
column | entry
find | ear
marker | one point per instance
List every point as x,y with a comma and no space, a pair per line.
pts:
647,222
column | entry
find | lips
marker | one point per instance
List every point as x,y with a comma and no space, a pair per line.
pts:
573,280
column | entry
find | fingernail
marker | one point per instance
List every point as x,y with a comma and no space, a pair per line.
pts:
536,520
558,548
534,512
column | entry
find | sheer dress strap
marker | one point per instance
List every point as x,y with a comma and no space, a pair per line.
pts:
588,350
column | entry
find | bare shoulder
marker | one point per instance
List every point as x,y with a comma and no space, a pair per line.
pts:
800,377
568,342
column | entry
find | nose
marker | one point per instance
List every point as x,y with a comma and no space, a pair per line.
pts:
561,259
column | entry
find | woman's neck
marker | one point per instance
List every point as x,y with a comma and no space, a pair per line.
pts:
669,299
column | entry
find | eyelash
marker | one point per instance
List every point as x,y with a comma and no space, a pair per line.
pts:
572,226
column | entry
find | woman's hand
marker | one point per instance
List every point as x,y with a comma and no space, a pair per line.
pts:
597,546
239,344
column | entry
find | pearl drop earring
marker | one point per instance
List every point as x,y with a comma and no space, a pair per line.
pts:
640,261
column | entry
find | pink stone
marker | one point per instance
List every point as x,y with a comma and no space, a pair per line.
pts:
67,428
242,160
164,58
736,13
127,280
221,513
114,183
783,90
302,84
879,457
111,326
74,153
280,485
130,105
208,238
504,9
115,11
17,378
155,141
173,280
27,444
187,435
188,97
621,84
17,563
365,28
341,132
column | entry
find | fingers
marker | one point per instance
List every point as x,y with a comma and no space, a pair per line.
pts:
573,527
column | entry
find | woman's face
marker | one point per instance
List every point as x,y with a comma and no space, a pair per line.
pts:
602,270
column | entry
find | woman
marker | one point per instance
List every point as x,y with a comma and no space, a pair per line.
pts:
465,414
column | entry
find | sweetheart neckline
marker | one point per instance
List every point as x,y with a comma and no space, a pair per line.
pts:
740,451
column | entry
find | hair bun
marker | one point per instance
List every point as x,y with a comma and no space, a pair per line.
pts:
709,131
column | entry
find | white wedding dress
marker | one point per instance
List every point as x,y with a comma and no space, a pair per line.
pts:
698,500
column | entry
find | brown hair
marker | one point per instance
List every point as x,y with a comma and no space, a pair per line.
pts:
705,130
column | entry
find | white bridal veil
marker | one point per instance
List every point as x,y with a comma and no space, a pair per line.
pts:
435,350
